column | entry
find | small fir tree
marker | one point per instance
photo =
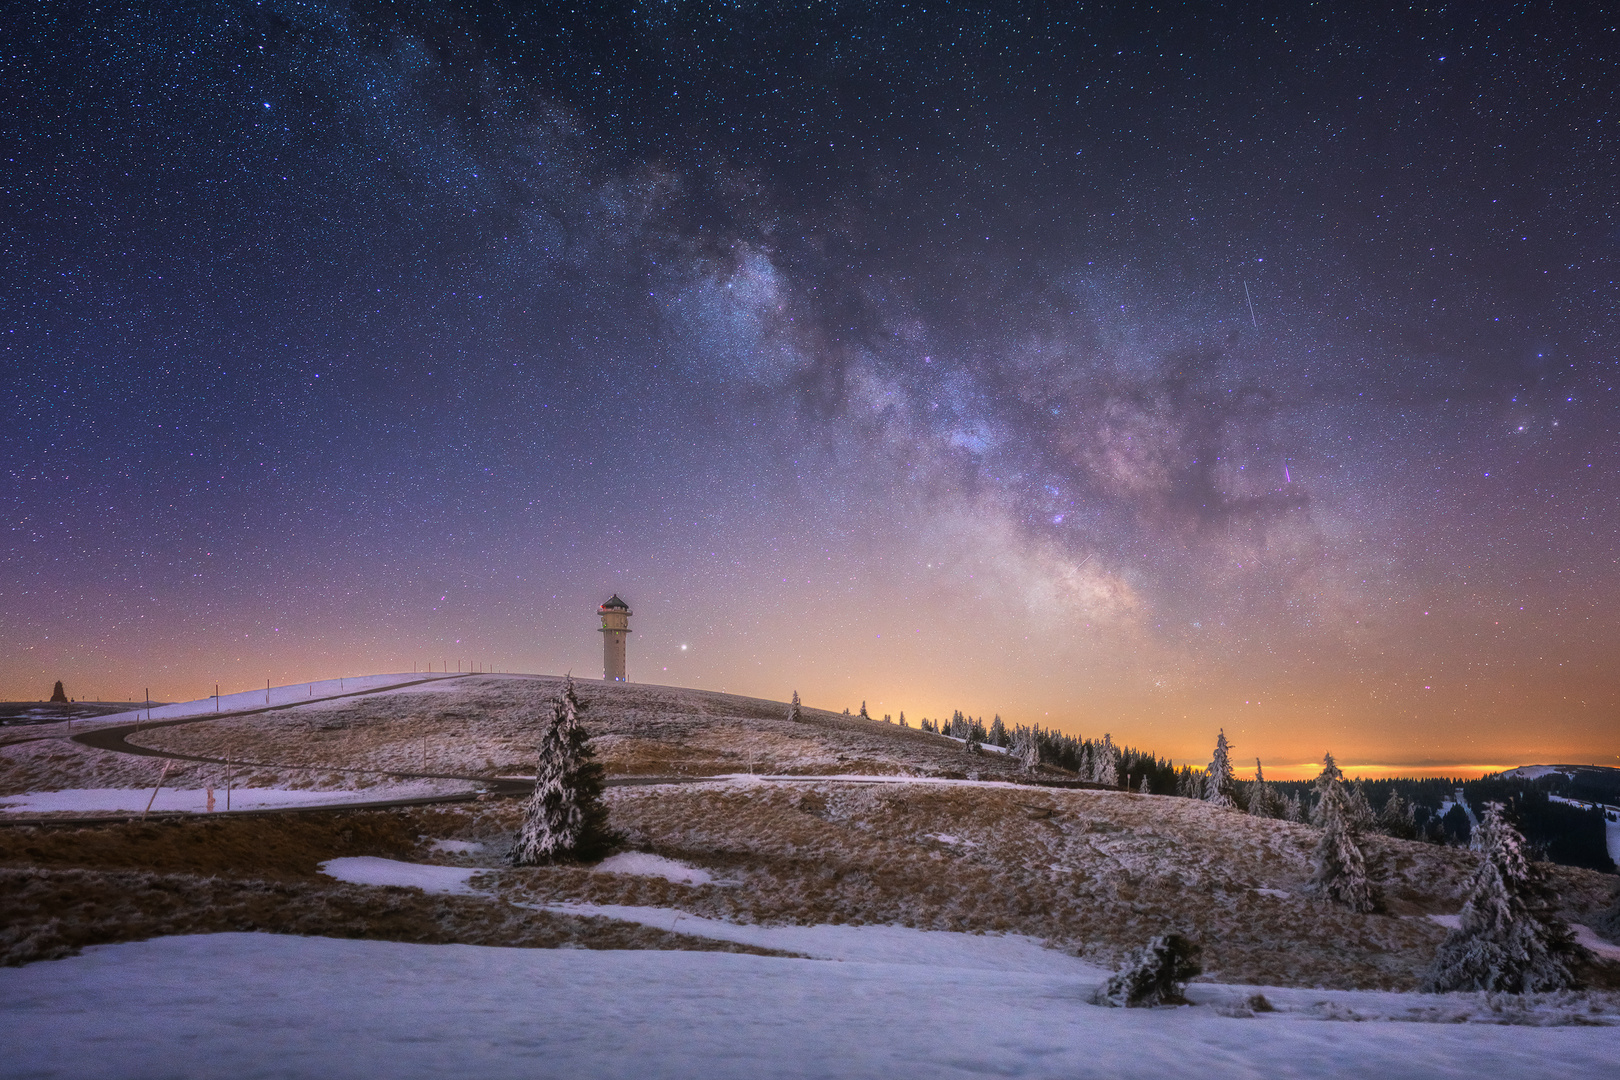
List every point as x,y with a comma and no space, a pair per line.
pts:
1293,810
1358,809
863,712
972,742
1147,789
1156,974
59,694
565,818
1509,937
1339,867
1396,818
903,718
1219,785
1262,803
1190,784
1027,748
1330,777
998,732
1105,762
793,707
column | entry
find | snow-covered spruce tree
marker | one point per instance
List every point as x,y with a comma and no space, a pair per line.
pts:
1262,803
903,718
1292,810
1396,818
998,733
1339,870
1105,762
59,694
1358,809
1330,777
863,712
1190,783
1154,975
1509,937
1027,749
793,707
1147,788
1218,782
565,817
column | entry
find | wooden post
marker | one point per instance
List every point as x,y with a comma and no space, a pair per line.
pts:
153,799
227,779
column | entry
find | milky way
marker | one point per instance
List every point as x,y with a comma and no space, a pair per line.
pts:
1113,370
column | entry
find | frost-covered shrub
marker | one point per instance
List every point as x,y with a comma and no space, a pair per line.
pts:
1508,938
565,817
1154,975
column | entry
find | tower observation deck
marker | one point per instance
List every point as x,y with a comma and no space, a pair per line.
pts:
615,627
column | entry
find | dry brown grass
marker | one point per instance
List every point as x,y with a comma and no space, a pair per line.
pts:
62,889
1096,873
54,913
270,847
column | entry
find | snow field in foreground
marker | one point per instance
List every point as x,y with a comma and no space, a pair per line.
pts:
228,1005
118,800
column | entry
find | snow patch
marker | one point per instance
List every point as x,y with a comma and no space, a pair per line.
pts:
871,943
1278,893
457,847
1586,936
642,864
1450,922
1536,772
369,870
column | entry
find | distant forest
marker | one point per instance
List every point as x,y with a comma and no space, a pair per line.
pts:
1427,809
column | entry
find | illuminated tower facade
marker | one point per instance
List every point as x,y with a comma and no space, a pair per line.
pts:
615,627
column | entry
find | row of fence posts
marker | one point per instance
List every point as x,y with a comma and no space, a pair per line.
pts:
229,763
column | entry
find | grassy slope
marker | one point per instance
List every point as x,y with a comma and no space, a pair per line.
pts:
1096,872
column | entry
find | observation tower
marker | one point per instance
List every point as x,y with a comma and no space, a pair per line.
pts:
615,625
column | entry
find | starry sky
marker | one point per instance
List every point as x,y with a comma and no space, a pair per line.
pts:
1114,369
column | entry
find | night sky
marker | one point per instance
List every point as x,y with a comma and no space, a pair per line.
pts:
1135,371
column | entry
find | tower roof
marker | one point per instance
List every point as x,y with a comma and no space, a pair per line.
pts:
615,604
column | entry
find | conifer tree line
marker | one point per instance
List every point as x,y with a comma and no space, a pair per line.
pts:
1097,760
1422,808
